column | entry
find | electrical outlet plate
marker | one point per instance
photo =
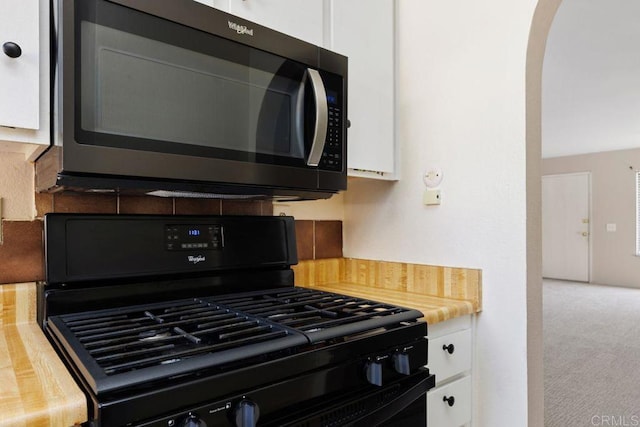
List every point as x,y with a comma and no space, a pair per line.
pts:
431,197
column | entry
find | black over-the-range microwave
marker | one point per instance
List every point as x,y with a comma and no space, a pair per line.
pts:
175,98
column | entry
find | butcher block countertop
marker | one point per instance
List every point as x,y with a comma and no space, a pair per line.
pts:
440,293
435,309
36,390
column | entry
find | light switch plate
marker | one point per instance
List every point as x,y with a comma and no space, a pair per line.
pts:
431,197
611,227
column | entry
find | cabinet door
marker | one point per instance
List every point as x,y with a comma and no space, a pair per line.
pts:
368,40
300,19
19,77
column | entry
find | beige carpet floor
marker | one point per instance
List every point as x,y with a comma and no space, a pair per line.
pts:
591,355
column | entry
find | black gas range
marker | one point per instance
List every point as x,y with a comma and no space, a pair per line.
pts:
195,321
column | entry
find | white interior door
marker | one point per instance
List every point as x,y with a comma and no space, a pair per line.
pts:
565,226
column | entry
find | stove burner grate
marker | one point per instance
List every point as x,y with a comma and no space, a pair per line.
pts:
165,334
319,315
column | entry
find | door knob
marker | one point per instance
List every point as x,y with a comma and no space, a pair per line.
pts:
585,234
449,348
11,49
449,400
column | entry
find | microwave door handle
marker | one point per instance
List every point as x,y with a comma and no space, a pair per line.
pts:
322,117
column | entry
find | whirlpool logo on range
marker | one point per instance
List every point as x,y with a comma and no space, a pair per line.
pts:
194,259
240,29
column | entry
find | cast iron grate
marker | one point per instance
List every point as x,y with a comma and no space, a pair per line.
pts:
128,340
318,314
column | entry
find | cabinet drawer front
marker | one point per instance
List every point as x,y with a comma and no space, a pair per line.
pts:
455,410
450,355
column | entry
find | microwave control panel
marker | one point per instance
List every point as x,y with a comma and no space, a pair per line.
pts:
181,237
332,155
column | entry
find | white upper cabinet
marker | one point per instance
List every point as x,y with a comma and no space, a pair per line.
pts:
24,76
364,30
300,19
19,64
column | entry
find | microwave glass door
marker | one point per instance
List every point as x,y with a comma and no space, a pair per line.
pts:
150,84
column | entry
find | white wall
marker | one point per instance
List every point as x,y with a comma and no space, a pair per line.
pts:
461,107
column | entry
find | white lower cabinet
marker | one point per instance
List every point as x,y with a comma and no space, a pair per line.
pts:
449,404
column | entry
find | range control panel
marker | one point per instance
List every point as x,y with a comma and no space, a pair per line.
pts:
185,237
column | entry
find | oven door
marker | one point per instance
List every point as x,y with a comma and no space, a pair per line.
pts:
409,409
402,403
332,397
412,415
155,92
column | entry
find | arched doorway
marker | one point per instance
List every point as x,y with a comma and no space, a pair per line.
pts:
540,24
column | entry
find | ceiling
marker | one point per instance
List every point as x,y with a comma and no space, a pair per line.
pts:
591,78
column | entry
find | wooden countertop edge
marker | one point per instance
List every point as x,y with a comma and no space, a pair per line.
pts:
435,309
37,389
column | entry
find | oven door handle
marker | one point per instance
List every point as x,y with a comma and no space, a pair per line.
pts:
322,117
385,412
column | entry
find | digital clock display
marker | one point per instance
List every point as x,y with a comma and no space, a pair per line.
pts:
332,97
189,237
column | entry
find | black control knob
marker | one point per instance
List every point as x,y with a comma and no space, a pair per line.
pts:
373,371
11,49
247,414
449,400
192,420
401,363
449,348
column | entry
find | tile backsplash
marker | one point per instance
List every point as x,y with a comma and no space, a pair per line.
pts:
112,204
21,249
21,254
319,239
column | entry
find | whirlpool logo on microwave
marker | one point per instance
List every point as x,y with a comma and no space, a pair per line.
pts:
196,259
240,29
